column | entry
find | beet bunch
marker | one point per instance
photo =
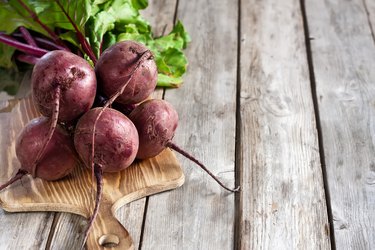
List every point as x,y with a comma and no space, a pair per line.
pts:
64,87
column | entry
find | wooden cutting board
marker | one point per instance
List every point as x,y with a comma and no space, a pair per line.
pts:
74,194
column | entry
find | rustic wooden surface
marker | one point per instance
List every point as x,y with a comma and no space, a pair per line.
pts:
278,98
343,57
282,205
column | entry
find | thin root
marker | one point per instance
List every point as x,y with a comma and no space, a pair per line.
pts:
192,158
99,192
21,173
54,119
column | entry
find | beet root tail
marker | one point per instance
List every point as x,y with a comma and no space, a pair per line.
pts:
98,171
15,178
193,159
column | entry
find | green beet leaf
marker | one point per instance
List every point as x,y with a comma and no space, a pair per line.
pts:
102,23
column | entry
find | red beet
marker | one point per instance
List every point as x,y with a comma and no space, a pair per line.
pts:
156,122
58,160
66,77
116,139
127,64
63,88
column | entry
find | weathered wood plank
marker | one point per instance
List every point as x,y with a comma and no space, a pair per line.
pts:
343,55
67,231
201,215
24,231
369,6
282,205
160,14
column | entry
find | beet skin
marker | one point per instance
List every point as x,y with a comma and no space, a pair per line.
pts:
116,139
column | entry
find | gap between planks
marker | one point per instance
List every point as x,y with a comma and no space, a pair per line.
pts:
237,150
369,20
318,122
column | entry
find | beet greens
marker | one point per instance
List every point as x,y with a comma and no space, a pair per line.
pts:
31,28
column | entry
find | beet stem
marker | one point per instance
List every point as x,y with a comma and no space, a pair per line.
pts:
34,16
44,43
28,49
28,59
27,36
15,178
98,171
47,44
85,45
192,158
54,119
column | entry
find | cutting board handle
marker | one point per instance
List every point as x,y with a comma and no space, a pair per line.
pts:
107,232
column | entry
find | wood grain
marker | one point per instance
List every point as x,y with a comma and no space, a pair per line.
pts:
201,215
66,231
22,231
282,205
160,14
369,7
343,55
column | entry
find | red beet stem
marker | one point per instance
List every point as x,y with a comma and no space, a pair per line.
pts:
27,36
34,16
27,59
85,45
28,49
193,159
98,171
54,119
15,178
43,43
47,44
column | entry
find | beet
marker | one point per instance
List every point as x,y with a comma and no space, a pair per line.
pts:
130,65
112,139
63,88
156,122
66,77
58,159
116,139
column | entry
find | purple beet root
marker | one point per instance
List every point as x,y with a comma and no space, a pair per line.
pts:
156,122
59,157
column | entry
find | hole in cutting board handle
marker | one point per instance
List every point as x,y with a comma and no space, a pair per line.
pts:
109,240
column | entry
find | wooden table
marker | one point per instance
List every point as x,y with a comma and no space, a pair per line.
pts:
280,99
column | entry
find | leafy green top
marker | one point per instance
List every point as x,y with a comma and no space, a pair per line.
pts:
100,23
